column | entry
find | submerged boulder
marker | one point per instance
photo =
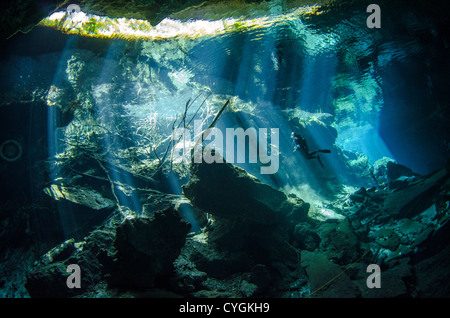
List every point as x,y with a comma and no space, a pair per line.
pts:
84,207
432,275
81,196
407,228
229,192
253,222
415,196
305,237
339,242
388,173
380,171
134,255
396,170
147,248
326,278
47,277
49,281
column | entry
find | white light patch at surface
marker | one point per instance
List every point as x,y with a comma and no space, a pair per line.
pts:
91,25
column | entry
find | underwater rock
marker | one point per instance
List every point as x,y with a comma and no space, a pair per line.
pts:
49,282
356,166
147,248
394,281
250,220
432,275
359,196
386,238
210,294
396,170
227,191
248,289
261,243
416,196
60,252
429,233
388,173
326,278
339,243
187,278
80,195
407,211
380,171
15,226
218,263
84,207
23,149
408,228
261,277
322,214
234,247
299,211
157,201
23,15
365,211
305,238
94,256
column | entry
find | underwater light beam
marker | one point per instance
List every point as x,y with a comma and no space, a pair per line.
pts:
66,216
131,201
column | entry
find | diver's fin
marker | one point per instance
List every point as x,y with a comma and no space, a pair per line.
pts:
324,150
320,161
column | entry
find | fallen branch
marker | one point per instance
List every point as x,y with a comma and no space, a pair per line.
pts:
183,121
206,132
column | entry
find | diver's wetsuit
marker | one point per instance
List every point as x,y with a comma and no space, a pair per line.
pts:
300,143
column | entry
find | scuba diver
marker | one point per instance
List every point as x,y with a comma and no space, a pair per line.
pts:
300,143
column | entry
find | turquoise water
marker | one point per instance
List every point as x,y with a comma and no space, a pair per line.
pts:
87,144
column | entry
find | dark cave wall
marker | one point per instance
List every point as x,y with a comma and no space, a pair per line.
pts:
414,118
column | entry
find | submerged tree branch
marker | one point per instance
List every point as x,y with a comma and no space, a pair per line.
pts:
206,132
172,144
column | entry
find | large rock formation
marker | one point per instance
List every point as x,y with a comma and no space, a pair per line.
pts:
229,192
134,255
253,222
326,278
147,248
